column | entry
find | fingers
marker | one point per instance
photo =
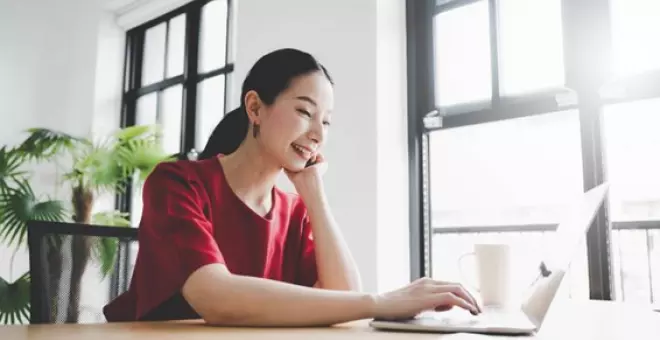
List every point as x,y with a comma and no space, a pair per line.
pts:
318,161
443,308
460,291
449,299
447,287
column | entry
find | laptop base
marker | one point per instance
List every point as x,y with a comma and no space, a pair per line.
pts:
509,322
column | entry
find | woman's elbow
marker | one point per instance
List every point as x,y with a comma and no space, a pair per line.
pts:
208,291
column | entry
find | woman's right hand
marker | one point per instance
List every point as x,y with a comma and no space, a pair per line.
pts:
422,295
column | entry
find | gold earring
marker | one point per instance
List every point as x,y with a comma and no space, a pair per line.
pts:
255,130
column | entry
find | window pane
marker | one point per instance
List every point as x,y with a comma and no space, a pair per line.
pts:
154,55
147,109
635,31
635,265
127,70
133,250
531,45
172,104
511,173
462,55
533,164
147,113
176,46
136,202
213,36
632,142
210,108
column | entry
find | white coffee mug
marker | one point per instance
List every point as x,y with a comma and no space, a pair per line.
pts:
493,269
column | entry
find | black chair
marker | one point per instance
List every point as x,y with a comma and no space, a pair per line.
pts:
76,269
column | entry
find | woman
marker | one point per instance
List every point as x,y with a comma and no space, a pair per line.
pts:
219,241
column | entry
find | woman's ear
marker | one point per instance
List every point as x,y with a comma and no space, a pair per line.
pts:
252,106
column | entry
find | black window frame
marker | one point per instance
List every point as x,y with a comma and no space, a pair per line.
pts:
132,88
189,80
586,33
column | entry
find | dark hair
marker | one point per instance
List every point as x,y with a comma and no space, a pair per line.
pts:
270,76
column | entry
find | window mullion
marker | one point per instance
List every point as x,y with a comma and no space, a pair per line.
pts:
159,95
586,42
139,59
228,62
134,56
419,31
193,23
165,57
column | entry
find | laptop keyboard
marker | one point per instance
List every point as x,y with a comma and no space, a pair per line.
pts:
489,316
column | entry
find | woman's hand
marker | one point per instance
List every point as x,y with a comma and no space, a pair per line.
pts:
423,295
308,180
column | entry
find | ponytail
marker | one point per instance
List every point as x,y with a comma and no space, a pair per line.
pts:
227,135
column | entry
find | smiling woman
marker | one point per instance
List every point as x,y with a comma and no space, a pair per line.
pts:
309,96
219,241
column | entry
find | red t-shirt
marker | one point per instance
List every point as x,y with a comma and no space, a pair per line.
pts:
192,218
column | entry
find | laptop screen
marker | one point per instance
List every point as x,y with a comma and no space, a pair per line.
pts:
571,232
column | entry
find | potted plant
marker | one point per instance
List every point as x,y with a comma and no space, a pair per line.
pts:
94,167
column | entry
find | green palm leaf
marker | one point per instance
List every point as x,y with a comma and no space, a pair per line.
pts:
105,251
111,218
105,248
10,163
97,169
109,165
20,205
136,132
45,143
15,300
141,156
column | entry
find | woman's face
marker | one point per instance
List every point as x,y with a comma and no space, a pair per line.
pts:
295,126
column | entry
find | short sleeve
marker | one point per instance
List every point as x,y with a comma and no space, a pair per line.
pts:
175,237
307,270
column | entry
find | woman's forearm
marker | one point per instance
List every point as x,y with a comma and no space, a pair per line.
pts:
225,299
335,265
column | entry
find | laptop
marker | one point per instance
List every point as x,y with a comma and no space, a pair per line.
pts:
527,318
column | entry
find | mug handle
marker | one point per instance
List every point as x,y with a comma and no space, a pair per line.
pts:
462,272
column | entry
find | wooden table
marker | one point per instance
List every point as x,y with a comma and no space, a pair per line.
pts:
588,320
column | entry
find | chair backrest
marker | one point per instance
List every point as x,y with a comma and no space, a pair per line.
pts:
75,269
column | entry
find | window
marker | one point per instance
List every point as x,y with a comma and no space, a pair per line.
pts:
531,46
176,72
631,143
512,172
514,113
462,55
635,28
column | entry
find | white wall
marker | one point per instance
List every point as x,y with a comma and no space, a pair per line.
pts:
360,42
392,147
108,73
47,62
48,51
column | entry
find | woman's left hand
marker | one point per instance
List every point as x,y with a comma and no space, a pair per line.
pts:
308,180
